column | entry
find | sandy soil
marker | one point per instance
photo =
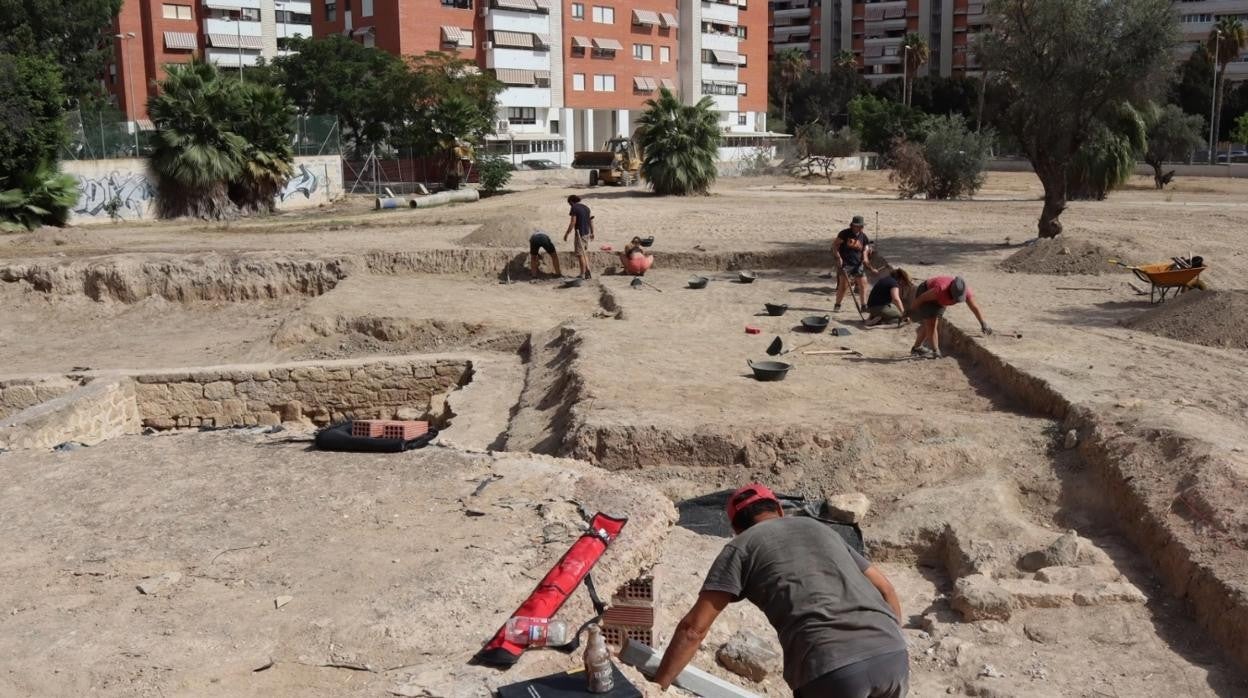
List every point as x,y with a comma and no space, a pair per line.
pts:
650,382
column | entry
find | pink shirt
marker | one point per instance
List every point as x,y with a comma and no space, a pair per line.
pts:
637,264
942,284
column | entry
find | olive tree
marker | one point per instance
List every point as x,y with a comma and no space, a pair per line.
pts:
1068,64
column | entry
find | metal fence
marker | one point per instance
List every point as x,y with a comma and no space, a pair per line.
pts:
99,136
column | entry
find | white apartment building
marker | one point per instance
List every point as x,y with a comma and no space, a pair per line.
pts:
240,32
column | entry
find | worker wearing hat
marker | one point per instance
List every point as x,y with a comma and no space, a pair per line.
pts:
852,250
835,613
930,300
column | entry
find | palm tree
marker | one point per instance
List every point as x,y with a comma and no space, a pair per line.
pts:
1226,40
265,123
679,144
194,154
42,196
789,66
845,59
915,50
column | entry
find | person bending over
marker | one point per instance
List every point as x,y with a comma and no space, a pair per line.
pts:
852,249
836,614
885,301
539,241
930,300
635,258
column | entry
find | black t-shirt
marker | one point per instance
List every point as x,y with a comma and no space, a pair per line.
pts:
580,212
851,257
882,292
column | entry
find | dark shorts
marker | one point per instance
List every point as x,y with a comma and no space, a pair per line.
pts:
885,676
541,241
926,311
854,271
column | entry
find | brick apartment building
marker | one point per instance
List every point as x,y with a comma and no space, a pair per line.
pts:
151,34
579,72
873,31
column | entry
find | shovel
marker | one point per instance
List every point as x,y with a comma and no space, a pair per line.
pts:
776,348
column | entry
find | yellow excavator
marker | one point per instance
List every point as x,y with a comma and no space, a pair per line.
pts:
619,162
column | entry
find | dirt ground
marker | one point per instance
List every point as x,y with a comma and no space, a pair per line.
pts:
968,460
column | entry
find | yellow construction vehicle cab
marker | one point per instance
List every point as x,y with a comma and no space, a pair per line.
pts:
619,162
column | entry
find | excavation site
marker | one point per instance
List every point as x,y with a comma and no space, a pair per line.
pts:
1061,504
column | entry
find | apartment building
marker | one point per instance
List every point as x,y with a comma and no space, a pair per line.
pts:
578,72
1197,19
151,34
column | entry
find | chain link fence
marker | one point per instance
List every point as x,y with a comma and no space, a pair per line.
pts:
101,136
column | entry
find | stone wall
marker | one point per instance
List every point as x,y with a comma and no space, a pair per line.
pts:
89,414
322,393
316,180
17,394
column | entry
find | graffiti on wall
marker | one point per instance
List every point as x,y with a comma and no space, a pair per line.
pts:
133,192
304,181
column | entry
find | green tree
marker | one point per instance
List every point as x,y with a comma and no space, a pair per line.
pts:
879,122
824,97
1172,134
364,87
1240,134
39,196
1192,88
679,145
221,144
1226,40
915,54
1107,159
495,172
955,157
31,101
69,32
786,69
845,59
1068,64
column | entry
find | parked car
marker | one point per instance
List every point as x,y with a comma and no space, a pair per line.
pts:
1237,155
540,164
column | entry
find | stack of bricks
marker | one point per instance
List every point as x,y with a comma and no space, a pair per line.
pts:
389,429
631,615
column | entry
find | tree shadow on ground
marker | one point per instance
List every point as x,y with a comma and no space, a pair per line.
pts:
1103,314
628,193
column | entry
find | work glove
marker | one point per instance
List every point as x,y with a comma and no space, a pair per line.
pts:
986,330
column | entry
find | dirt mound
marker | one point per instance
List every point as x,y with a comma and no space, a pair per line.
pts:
1209,318
512,229
1061,256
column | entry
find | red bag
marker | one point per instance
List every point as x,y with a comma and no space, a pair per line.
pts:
555,587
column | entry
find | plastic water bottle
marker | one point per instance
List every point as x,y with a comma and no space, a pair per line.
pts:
537,632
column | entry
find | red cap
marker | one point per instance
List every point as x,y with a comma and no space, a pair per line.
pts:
746,496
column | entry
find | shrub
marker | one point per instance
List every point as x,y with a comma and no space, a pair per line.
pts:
815,140
910,171
495,172
955,157
40,197
879,122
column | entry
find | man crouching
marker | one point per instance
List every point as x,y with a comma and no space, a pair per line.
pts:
835,613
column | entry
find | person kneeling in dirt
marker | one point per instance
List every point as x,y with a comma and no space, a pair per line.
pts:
539,241
635,258
930,300
836,614
885,302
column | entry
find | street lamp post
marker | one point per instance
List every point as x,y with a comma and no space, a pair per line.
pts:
128,86
1213,96
905,75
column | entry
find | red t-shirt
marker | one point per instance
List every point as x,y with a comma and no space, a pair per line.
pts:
942,284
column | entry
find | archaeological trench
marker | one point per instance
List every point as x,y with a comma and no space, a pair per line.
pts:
975,496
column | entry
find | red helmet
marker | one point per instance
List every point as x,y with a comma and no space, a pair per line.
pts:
746,496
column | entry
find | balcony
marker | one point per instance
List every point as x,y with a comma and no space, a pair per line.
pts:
792,13
795,45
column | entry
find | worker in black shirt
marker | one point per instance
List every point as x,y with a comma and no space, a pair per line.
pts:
853,257
580,219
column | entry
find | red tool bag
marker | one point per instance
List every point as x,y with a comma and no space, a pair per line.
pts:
555,587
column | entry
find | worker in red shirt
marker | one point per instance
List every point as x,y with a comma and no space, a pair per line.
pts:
930,300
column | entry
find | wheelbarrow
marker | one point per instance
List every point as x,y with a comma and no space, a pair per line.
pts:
1165,280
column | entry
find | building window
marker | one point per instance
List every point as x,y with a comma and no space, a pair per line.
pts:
250,14
719,88
604,15
665,54
578,51
741,120
366,8
643,52
288,17
578,11
176,11
331,12
521,115
554,128
458,4
603,52
741,88
578,82
604,83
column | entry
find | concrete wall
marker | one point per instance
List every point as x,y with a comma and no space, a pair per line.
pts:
17,394
317,180
1237,170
